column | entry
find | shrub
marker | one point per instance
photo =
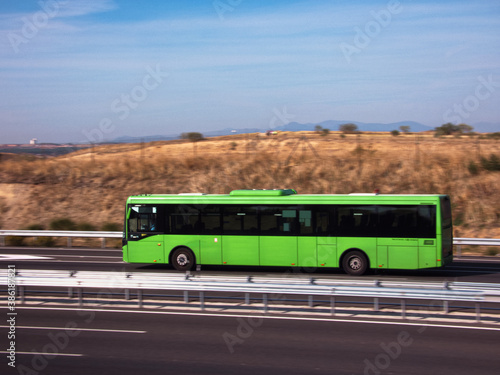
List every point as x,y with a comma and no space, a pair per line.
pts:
492,163
62,224
41,241
85,227
473,168
14,241
112,227
395,132
492,251
35,227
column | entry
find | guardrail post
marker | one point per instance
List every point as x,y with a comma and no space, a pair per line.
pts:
202,301
446,307
103,243
264,301
127,294
69,242
478,312
375,304
21,294
70,292
311,302
186,296
80,297
332,305
247,298
139,297
403,309
459,251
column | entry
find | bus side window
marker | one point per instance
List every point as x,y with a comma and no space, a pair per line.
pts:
306,222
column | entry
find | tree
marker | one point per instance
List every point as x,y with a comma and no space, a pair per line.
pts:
348,128
449,129
405,128
464,128
318,129
192,136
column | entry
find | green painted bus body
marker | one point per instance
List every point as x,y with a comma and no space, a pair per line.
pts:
309,251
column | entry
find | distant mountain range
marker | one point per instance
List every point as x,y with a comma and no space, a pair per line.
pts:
482,127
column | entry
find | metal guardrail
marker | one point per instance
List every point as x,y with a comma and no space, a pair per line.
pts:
60,233
103,235
274,288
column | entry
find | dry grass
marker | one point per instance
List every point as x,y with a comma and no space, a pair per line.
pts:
92,186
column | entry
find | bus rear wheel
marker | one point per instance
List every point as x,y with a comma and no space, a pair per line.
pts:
183,259
355,263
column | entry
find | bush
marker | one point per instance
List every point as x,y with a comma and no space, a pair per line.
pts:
85,227
45,242
473,168
35,227
112,227
492,163
14,241
395,132
493,135
492,251
62,224
41,241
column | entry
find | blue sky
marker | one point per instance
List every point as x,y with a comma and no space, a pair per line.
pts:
80,71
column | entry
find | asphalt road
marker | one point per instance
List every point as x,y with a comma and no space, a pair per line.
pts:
470,269
62,340
54,341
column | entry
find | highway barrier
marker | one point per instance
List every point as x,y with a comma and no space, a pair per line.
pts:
324,291
458,242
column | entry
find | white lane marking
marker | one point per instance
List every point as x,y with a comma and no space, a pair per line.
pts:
313,319
80,256
79,329
47,354
21,257
82,249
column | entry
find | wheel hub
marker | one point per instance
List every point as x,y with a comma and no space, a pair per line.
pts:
182,259
355,263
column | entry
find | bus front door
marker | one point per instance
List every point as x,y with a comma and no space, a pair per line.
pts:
145,250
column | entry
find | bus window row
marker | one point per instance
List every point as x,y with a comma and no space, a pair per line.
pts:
406,221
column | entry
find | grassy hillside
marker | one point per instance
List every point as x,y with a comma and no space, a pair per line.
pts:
91,186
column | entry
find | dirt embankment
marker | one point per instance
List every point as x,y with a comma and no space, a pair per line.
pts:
91,185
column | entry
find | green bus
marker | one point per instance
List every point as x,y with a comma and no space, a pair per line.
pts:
355,232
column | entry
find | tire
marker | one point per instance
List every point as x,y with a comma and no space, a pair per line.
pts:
183,259
355,263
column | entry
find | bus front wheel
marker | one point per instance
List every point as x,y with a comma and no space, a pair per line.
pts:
355,263
183,259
